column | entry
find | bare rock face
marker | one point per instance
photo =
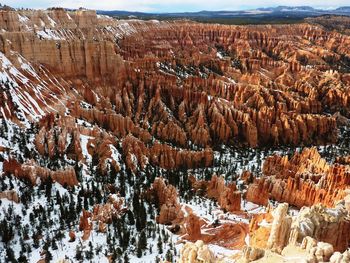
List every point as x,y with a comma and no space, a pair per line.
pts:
246,177
343,160
304,180
330,225
102,215
259,229
165,196
228,197
85,224
338,257
31,171
257,193
317,229
318,251
72,236
105,90
252,254
10,195
133,84
196,252
113,209
193,227
280,228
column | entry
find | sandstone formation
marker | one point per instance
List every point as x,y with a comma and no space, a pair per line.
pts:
227,196
193,227
102,215
327,228
134,96
229,86
104,89
343,159
280,228
331,225
113,209
10,195
32,172
257,193
304,180
252,254
85,224
166,198
188,224
195,253
72,236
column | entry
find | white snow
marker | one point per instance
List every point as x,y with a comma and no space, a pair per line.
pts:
23,19
116,156
48,34
27,67
221,252
83,142
52,22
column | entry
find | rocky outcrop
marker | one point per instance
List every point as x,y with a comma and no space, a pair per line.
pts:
227,196
200,96
316,224
318,251
343,160
251,254
193,227
102,215
304,180
10,195
32,172
166,198
331,225
113,209
72,236
196,252
259,229
257,193
280,228
85,224
112,94
338,257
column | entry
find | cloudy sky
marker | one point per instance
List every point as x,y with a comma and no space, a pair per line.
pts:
172,5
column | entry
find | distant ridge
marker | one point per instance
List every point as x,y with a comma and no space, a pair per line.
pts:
297,12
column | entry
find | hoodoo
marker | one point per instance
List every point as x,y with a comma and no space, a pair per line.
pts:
130,140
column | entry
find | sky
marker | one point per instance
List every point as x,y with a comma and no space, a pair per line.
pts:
172,5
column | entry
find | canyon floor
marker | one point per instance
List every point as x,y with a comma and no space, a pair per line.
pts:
172,141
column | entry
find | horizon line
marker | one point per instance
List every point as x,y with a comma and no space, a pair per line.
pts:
321,8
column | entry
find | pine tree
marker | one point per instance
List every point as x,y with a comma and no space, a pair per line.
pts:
160,245
86,203
6,231
48,256
22,258
121,178
79,205
10,255
139,250
126,258
54,245
143,240
125,239
131,219
169,256
89,254
78,252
